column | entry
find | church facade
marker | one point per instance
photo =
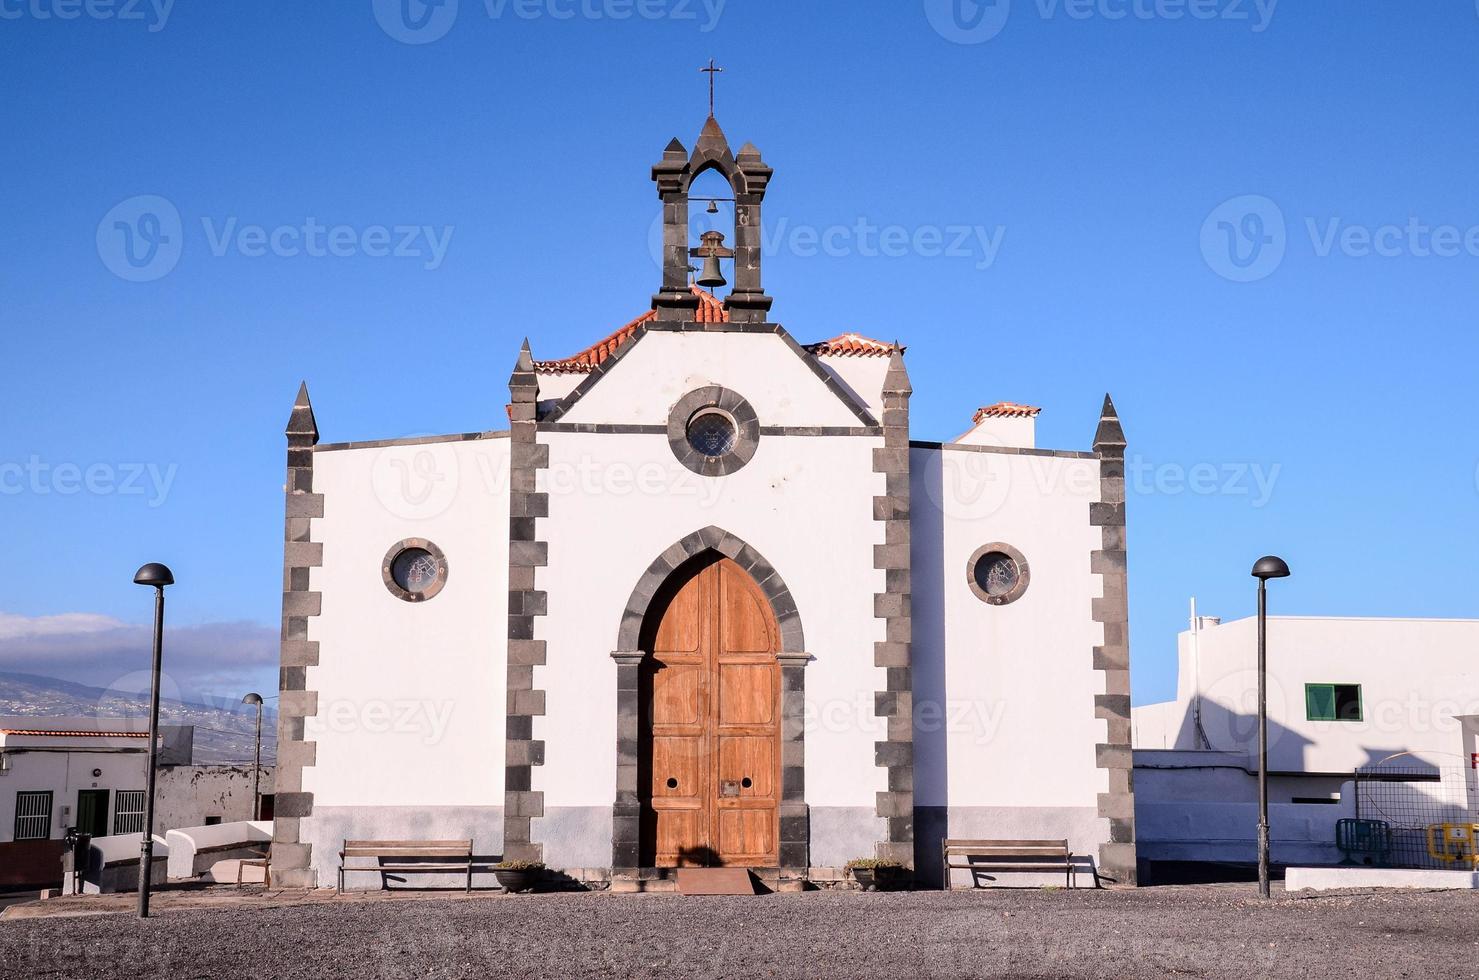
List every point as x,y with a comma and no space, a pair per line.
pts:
706,601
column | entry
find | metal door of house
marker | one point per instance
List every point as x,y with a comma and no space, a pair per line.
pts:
92,812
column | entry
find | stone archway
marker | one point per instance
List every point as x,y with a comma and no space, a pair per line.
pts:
792,658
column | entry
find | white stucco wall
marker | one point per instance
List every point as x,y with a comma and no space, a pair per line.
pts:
64,773
804,503
663,366
411,695
1016,683
187,795
1416,677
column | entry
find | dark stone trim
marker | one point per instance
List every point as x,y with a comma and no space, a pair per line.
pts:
1117,857
730,404
292,864
563,406
780,431
716,539
332,447
1024,573
895,701
1005,450
526,554
389,562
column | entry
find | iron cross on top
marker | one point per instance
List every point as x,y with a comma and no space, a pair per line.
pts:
712,71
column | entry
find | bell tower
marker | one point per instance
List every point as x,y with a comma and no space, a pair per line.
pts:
748,177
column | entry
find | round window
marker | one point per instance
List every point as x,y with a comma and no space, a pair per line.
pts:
997,574
712,433
414,570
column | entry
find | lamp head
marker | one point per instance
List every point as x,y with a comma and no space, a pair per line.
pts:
154,574
253,698
1269,567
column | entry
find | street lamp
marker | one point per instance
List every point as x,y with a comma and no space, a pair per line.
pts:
256,699
1264,569
157,576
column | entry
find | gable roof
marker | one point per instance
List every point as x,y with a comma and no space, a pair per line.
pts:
1006,410
851,345
710,310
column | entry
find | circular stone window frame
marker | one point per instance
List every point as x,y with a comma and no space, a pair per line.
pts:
729,403
389,563
1024,574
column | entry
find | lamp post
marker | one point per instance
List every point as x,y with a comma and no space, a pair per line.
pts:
1264,569
256,699
157,576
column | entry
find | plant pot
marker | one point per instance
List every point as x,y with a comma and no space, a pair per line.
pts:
516,880
879,879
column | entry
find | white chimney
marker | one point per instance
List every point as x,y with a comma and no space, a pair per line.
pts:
1004,424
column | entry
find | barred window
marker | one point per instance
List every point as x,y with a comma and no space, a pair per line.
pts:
128,811
33,815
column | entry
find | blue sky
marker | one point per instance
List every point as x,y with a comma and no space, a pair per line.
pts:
1252,223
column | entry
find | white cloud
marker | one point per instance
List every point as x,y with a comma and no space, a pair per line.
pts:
99,651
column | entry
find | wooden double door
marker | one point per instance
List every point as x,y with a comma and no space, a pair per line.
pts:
710,722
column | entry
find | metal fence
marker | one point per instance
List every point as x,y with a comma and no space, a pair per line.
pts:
1410,815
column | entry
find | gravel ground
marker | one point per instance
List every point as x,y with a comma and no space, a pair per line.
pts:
1220,931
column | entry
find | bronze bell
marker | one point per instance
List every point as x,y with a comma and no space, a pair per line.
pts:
712,277
711,250
713,205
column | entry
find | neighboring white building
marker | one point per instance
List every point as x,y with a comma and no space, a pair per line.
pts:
705,602
57,773
1393,696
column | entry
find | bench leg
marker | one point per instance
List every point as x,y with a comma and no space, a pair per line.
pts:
339,890
469,879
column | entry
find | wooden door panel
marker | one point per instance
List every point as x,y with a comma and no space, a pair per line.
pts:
746,694
746,836
744,615
748,758
677,694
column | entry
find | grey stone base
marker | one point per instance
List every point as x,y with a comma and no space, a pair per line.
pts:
330,826
1082,826
841,833
574,836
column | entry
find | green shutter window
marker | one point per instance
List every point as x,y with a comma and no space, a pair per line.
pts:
1332,702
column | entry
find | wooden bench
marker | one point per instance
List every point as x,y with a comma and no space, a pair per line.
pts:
407,857
1008,855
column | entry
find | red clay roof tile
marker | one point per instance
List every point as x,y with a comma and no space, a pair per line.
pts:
1006,410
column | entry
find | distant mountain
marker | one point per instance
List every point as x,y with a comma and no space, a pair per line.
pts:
222,734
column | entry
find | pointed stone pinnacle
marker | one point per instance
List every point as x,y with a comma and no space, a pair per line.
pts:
301,422
1110,435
